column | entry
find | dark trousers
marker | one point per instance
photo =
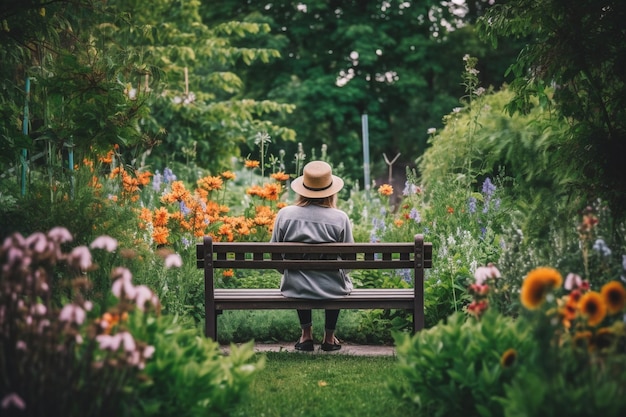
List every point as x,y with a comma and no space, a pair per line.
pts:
306,319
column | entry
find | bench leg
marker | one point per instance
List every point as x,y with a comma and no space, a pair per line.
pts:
211,325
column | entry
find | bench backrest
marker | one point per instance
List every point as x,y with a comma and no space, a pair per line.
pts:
263,255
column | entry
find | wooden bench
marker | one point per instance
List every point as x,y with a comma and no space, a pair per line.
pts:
211,255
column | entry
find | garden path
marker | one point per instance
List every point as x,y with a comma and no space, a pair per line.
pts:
346,349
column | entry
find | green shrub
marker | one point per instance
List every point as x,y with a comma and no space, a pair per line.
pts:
189,375
455,368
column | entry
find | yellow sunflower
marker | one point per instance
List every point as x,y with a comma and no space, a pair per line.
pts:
508,358
614,296
592,306
537,284
604,338
582,339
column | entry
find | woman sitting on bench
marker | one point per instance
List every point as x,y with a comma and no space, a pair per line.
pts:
315,219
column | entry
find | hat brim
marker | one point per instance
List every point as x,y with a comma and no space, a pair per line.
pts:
335,187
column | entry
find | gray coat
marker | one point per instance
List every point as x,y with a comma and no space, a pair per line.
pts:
313,224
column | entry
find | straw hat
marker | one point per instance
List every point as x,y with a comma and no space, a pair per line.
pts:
317,181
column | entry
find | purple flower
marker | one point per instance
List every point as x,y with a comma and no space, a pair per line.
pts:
156,181
168,175
601,247
409,188
184,209
415,215
488,188
472,205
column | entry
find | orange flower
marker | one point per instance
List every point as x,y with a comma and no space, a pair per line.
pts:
280,176
108,158
592,306
146,215
144,177
385,190
450,210
537,284
272,191
226,231
210,183
161,217
255,190
614,296
398,222
228,273
178,193
228,175
160,235
251,164
281,205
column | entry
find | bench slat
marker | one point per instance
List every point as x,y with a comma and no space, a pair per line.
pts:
260,299
311,264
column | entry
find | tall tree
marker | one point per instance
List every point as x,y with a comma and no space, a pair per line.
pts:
579,49
398,62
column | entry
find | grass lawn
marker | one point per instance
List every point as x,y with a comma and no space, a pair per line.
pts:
323,385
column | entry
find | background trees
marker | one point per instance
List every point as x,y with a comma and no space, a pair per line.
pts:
399,62
579,49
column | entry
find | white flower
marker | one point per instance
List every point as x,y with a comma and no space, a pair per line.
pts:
431,131
173,261
106,243
73,314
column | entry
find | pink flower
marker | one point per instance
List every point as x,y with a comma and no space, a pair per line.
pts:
572,281
37,242
173,261
483,273
106,243
13,400
80,258
60,235
148,352
114,342
108,342
143,294
123,284
127,341
73,314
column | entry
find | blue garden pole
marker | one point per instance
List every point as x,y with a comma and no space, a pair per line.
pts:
25,132
70,158
366,153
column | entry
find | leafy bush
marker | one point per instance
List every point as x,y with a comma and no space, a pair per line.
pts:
69,350
457,367
189,375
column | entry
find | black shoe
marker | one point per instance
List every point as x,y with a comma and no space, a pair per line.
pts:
306,346
330,347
